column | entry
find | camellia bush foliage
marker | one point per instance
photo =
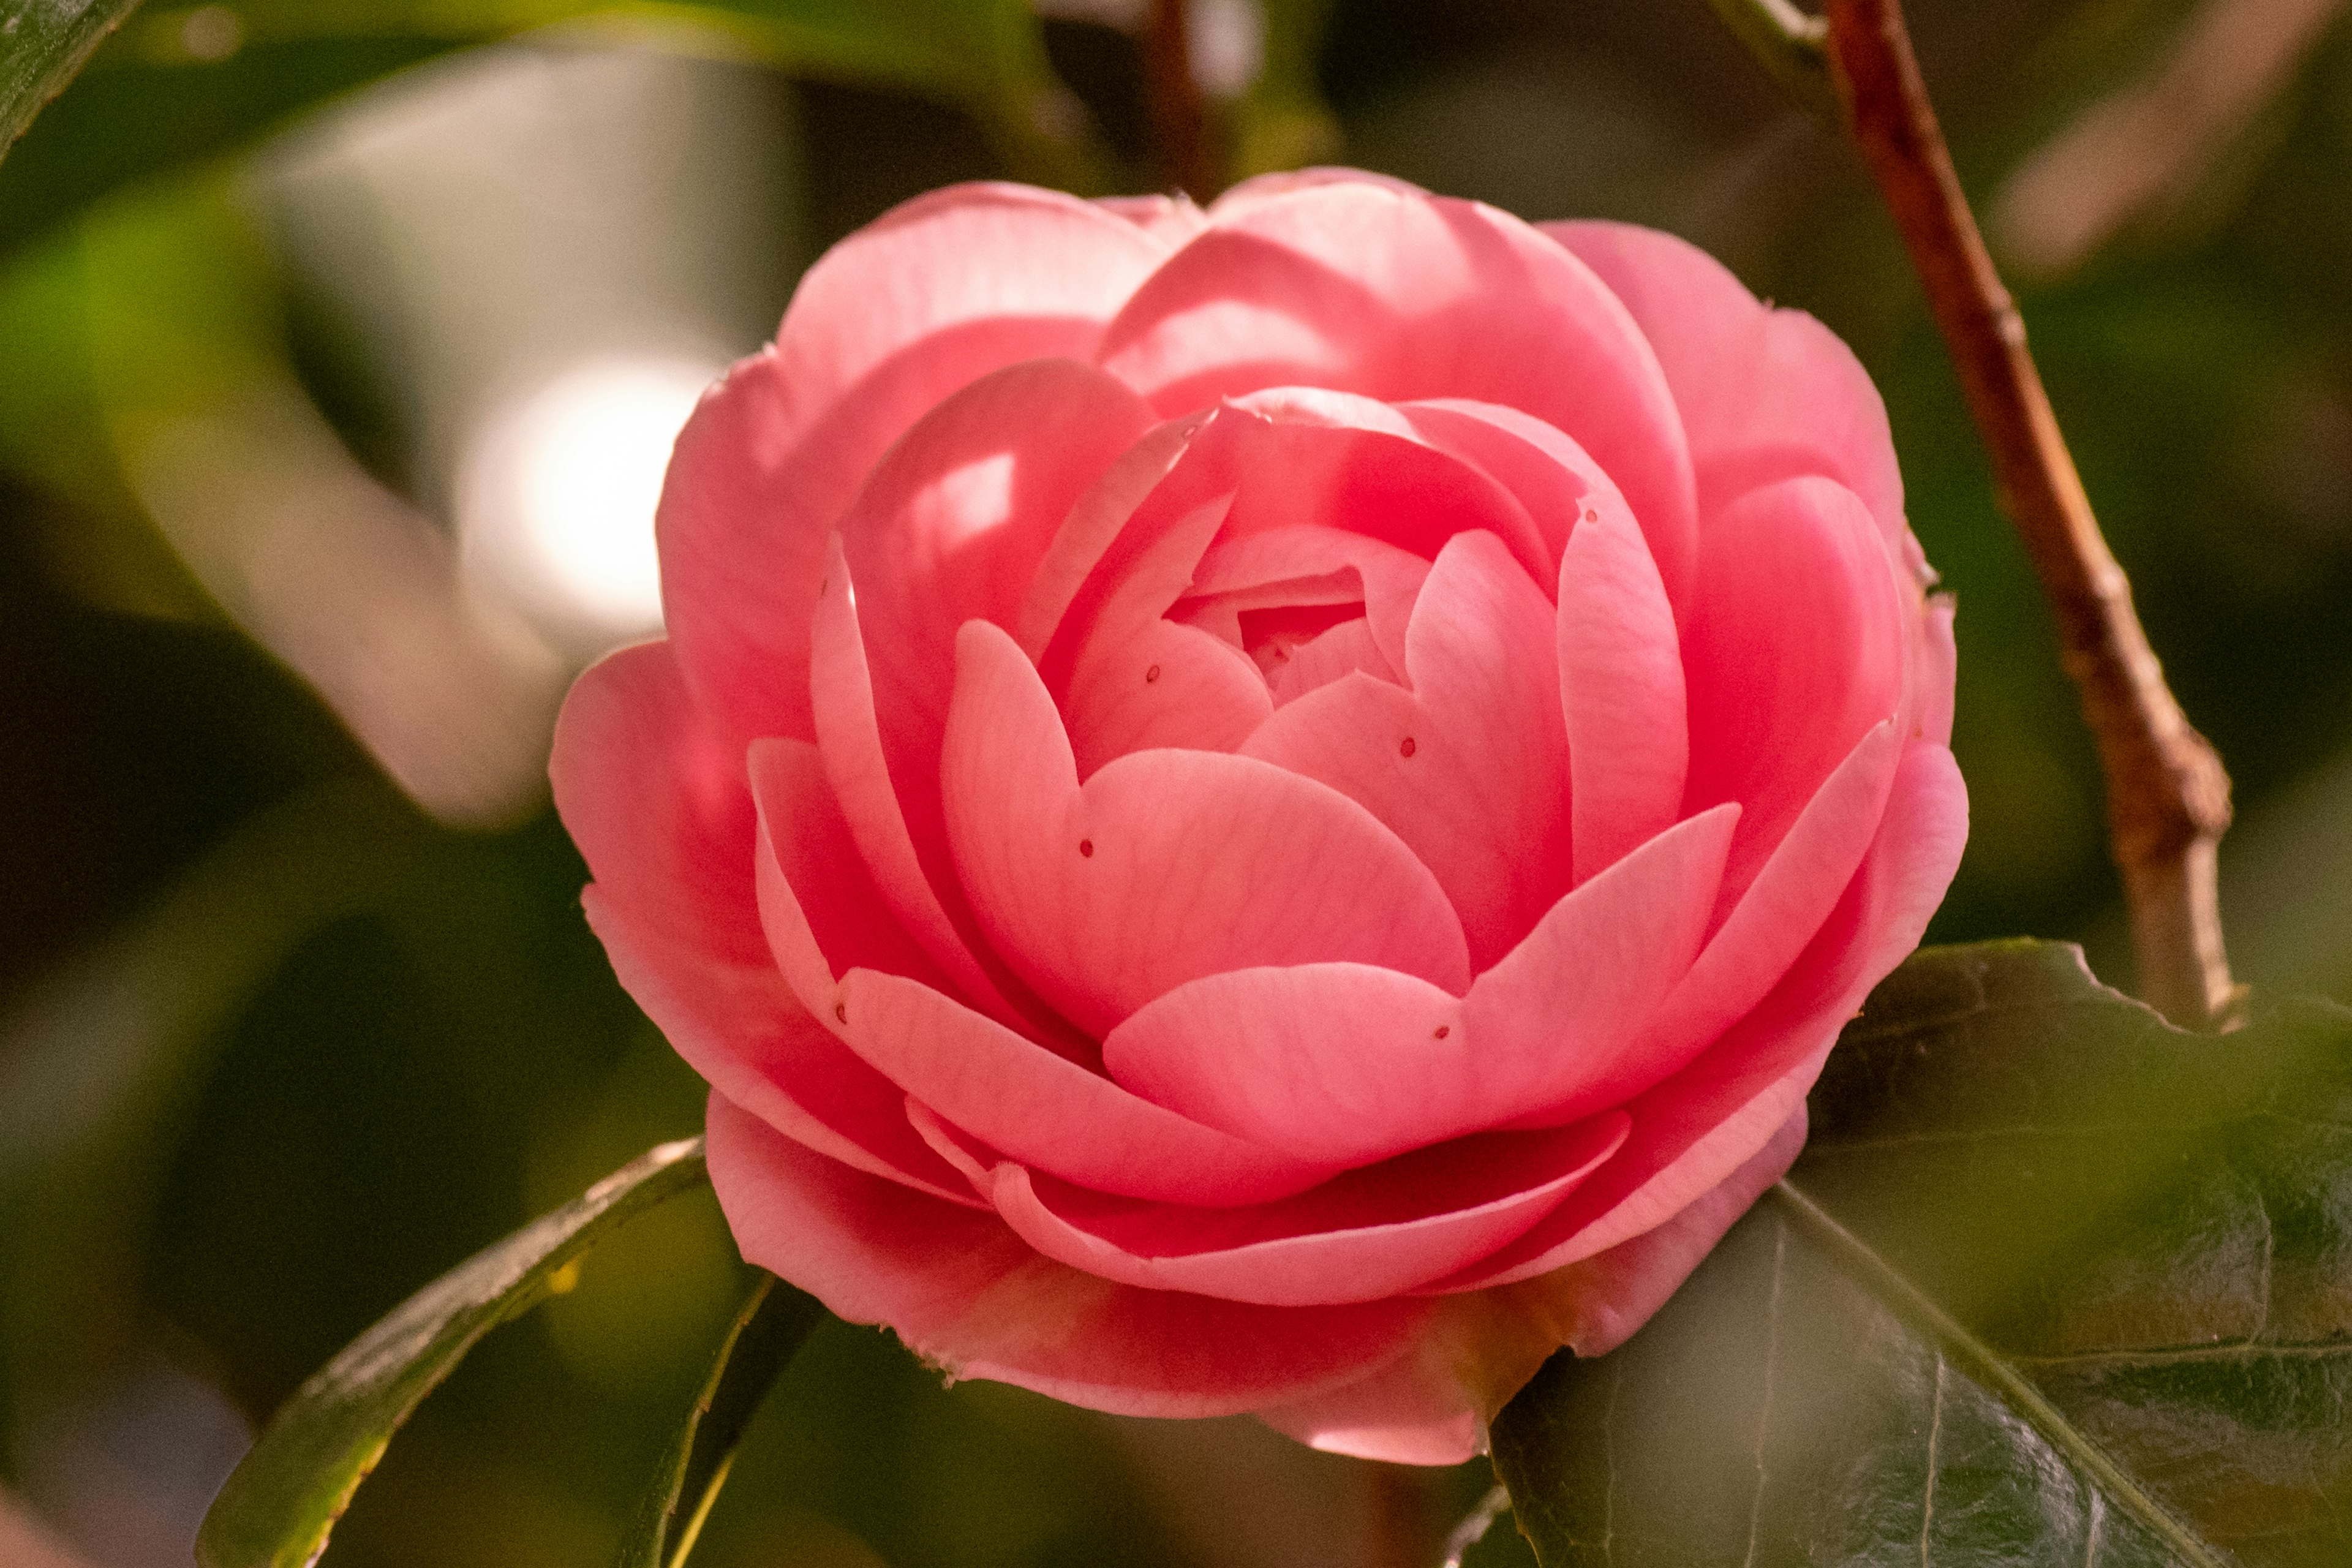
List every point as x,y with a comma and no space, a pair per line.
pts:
1294,798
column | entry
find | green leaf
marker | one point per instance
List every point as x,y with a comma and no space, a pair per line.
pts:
2051,1283
759,1343
42,43
289,1490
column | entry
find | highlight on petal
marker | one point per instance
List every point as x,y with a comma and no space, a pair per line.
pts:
1166,864
934,295
953,525
1398,296
963,1292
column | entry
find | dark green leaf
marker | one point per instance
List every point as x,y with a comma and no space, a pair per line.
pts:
759,1343
287,1493
2051,1283
42,43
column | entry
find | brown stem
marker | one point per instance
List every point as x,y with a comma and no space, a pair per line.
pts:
1180,119
2168,799
1400,1533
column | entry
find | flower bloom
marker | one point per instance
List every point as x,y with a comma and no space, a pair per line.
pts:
1270,810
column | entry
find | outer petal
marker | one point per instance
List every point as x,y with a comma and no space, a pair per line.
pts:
1693,1130
1040,1107
1348,1063
856,764
960,1290
1431,1407
1166,866
656,802
1765,395
1470,767
1363,1237
1399,295
940,293
1795,649
1772,926
657,806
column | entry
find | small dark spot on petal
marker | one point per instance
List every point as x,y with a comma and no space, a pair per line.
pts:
1407,748
1151,675
1592,516
1086,847
841,1011
1444,1030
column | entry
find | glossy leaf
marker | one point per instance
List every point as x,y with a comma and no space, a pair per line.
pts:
2051,1283
767,1331
287,1492
42,43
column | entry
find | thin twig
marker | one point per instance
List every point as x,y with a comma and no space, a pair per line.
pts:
1180,118
2168,799
1790,46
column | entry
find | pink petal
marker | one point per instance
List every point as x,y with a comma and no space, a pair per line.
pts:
1470,767
953,525
740,1028
1399,295
1795,649
1363,1236
1347,648
1765,395
1346,1063
1414,1410
1243,571
851,743
1432,1406
964,1293
1262,188
1166,864
656,804
811,877
1599,1303
1170,219
1563,1013
1557,481
1036,1107
1096,524
1273,462
1308,456
1775,921
1695,1129
1139,680
889,322
1621,685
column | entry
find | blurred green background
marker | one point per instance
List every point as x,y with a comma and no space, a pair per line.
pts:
314,315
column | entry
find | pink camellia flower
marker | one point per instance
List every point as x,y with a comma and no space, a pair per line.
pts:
1270,810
